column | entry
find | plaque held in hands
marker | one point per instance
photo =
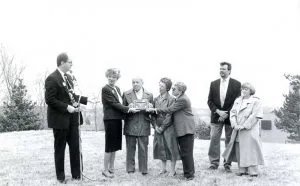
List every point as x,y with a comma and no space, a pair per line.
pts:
141,104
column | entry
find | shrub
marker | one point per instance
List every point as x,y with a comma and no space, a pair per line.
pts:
202,129
19,112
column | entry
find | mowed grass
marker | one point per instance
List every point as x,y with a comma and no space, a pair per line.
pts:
26,158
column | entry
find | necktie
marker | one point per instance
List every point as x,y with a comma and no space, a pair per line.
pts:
67,81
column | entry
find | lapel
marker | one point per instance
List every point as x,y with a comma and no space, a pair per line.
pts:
113,91
168,98
228,91
245,104
145,94
218,92
130,96
61,81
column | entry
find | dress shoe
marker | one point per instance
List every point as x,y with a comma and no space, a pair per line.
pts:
112,171
144,173
130,172
163,171
172,173
241,173
227,169
213,167
189,178
76,177
62,181
107,174
253,175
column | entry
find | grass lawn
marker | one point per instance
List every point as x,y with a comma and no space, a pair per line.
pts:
26,158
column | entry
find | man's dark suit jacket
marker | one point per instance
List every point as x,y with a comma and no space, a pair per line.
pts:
214,102
57,99
112,107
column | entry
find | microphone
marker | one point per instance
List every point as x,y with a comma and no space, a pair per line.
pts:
74,80
70,72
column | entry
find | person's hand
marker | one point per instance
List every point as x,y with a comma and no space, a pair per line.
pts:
130,105
72,109
221,120
242,127
151,110
158,129
133,110
150,105
222,113
239,127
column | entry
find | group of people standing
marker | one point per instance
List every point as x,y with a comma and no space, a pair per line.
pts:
232,106
170,116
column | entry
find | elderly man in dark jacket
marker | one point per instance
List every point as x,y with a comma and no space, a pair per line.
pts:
137,128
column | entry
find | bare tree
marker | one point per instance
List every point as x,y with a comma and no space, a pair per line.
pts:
40,96
10,71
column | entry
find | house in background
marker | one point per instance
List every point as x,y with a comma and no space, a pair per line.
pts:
269,132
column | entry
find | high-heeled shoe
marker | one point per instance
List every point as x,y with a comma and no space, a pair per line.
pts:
107,174
172,173
163,172
112,171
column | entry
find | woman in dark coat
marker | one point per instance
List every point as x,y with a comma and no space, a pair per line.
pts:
113,111
165,143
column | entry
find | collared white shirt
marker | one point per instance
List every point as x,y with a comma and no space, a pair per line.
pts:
139,94
223,89
119,96
61,73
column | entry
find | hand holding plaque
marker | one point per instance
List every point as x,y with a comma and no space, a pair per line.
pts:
133,110
141,104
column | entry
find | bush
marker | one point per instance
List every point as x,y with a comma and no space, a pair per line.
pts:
19,112
202,129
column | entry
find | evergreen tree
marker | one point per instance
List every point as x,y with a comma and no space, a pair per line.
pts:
19,112
288,114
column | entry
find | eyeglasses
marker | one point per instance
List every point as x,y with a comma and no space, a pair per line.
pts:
70,62
245,88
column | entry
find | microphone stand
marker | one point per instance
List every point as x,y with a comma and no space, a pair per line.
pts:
80,145
79,131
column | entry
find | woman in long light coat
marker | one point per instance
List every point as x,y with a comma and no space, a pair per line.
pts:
245,145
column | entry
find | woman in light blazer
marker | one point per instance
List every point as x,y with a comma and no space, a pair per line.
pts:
245,145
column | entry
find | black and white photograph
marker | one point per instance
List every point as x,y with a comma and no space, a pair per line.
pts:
161,92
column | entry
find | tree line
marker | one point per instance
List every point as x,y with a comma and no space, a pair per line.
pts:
18,112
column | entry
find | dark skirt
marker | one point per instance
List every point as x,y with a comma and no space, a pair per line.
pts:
113,135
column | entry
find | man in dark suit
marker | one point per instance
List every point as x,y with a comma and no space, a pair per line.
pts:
63,116
222,94
137,128
184,124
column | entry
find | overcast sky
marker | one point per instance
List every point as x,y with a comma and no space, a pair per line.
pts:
183,40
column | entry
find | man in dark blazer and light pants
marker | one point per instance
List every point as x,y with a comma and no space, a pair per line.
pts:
184,124
222,94
62,116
